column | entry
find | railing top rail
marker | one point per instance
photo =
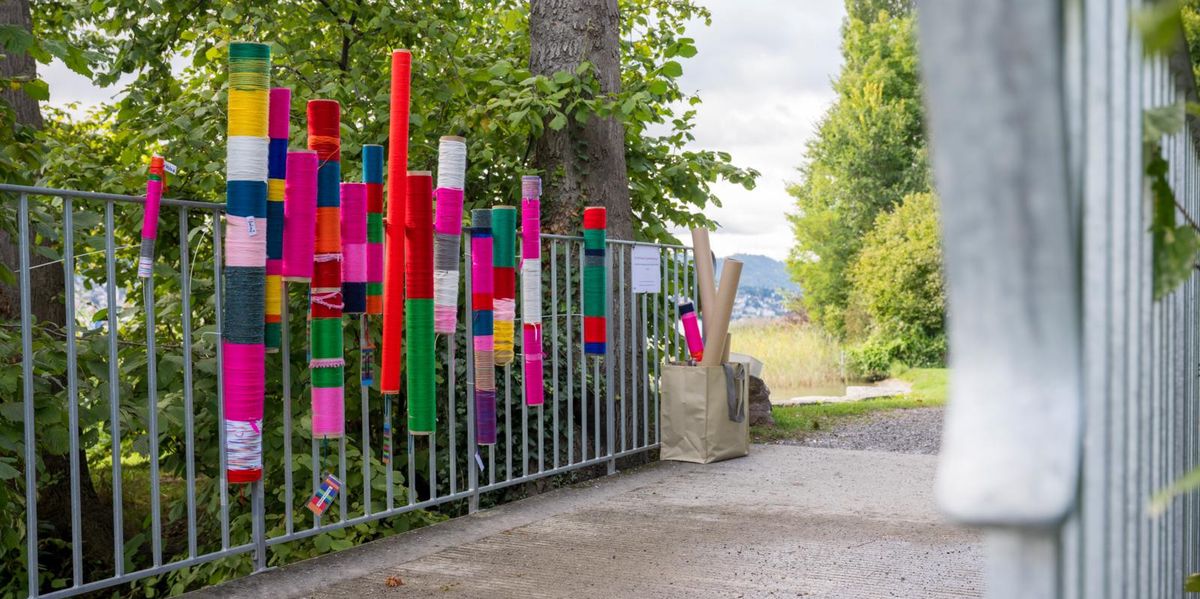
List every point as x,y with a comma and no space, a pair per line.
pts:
93,195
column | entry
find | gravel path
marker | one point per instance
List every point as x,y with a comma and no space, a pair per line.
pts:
916,430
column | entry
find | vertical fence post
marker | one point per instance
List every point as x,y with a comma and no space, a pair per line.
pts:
472,449
609,357
31,534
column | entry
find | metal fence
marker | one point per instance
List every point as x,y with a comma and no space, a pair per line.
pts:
596,409
1074,391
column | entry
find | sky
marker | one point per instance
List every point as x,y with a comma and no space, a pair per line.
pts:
764,72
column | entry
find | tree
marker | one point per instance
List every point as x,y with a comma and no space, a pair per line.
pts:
869,152
897,280
583,161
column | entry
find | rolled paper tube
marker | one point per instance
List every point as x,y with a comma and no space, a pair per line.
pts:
393,262
354,247
246,222
731,273
279,112
531,289
299,215
504,227
155,183
372,158
418,308
595,281
691,330
481,327
705,279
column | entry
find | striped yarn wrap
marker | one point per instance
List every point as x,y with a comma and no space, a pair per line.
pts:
156,183
393,266
504,261
691,330
481,327
372,163
327,363
354,247
299,215
279,114
595,281
452,163
418,306
242,358
531,289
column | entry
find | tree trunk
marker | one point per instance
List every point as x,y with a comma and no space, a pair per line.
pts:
583,164
47,306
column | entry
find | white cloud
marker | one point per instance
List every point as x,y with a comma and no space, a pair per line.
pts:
764,71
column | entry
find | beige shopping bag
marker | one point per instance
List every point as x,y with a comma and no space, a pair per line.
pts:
704,413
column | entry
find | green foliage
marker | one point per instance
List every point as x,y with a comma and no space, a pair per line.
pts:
897,279
868,154
1175,246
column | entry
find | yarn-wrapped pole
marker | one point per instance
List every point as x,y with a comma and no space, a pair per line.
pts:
156,181
328,362
393,267
354,247
447,237
504,262
483,344
242,352
691,330
372,164
418,305
279,113
531,288
300,215
595,281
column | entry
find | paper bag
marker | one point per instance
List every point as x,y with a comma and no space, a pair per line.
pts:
704,413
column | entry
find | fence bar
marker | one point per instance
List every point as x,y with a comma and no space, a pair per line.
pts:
31,529
152,421
364,392
220,317
452,413
114,392
72,388
584,404
610,415
553,246
508,433
472,447
570,354
285,358
623,349
189,443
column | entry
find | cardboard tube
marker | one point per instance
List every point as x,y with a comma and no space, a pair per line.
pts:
718,316
728,344
705,280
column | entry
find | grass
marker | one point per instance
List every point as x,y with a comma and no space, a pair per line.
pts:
795,422
797,357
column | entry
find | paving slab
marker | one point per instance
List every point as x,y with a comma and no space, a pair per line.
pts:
785,521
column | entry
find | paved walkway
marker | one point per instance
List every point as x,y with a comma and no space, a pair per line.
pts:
785,522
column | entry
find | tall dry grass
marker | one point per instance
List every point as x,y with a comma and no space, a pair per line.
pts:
798,358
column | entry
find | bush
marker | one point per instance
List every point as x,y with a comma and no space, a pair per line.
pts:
897,281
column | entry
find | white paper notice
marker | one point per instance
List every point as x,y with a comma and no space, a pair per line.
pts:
647,269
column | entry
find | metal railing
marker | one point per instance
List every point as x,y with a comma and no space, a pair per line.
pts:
596,409
1074,396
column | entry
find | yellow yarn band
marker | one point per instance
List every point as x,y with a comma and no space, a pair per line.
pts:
248,113
274,295
275,190
502,332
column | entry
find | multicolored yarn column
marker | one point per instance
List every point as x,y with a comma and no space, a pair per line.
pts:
691,330
328,362
447,237
372,161
393,267
481,327
354,247
242,358
595,281
531,288
280,107
504,261
418,305
299,215
155,183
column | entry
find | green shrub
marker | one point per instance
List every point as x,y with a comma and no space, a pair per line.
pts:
897,281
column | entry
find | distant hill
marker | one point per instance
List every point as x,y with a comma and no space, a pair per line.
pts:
763,288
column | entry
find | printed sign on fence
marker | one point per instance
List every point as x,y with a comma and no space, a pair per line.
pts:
647,269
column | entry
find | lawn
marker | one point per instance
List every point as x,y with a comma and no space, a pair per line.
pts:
794,422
